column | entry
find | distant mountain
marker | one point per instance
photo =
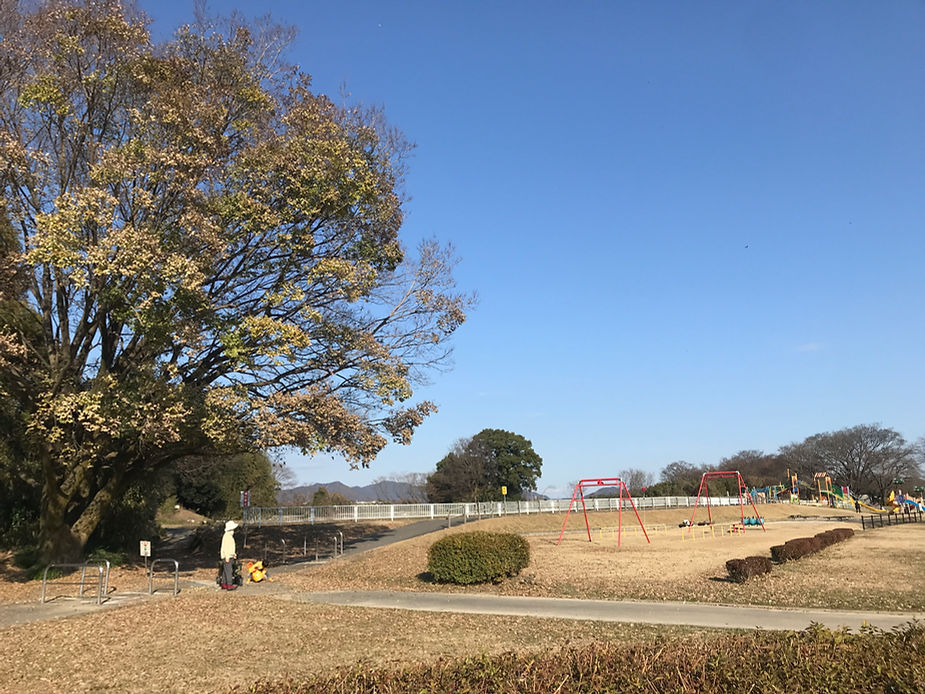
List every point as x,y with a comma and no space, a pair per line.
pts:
387,490
605,493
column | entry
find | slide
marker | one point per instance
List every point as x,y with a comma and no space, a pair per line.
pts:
915,504
870,508
853,499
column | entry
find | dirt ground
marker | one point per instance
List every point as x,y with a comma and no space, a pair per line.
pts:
205,640
677,564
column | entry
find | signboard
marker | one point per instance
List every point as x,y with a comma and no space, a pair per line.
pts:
145,548
245,498
503,491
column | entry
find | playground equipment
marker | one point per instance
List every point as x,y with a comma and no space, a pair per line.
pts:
849,499
794,486
823,487
602,482
743,492
770,492
899,501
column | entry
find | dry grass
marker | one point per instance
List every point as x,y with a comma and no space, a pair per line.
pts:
204,640
877,570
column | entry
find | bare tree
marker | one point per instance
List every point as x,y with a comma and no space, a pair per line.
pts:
866,457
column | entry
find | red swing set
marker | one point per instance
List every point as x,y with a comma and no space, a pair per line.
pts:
602,482
743,491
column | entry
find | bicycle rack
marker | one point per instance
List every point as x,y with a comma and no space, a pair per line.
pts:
83,568
176,575
106,578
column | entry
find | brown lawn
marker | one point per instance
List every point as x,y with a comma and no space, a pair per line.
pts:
204,640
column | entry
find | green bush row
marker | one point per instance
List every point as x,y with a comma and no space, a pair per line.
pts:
814,660
477,557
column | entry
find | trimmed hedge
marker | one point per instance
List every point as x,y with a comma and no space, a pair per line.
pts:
771,662
803,546
477,557
740,570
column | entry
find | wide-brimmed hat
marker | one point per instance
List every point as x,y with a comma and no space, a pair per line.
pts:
230,525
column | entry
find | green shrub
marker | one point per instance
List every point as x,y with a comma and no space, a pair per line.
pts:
114,558
477,557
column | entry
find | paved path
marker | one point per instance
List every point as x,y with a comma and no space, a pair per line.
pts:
693,614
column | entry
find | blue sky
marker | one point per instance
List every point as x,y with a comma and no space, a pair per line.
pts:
694,227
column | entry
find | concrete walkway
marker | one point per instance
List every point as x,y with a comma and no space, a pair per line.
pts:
678,613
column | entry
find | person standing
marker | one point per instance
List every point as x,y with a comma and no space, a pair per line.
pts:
229,554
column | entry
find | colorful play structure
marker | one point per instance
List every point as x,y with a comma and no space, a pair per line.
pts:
704,491
579,493
842,497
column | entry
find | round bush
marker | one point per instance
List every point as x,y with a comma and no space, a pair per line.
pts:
477,557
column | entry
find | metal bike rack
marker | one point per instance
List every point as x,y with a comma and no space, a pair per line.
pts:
101,562
176,575
83,568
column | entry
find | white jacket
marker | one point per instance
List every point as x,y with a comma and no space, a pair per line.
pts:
228,550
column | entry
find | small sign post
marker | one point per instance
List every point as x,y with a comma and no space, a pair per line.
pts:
504,492
245,502
144,548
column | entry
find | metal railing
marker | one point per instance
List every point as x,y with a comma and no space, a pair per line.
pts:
883,519
292,515
82,582
176,575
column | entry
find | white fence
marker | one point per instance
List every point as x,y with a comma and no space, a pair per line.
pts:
291,515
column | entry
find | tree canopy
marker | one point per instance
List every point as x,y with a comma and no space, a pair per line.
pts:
866,458
477,468
204,259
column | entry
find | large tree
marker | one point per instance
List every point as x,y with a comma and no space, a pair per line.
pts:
477,468
209,259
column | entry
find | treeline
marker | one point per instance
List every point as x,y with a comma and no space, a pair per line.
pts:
209,485
868,458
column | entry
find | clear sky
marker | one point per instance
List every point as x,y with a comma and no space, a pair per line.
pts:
694,227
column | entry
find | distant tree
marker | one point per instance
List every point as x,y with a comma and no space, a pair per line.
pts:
477,468
322,497
212,485
635,479
460,475
866,457
679,478
759,469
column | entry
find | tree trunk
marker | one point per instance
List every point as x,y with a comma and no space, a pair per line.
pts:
57,543
61,540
